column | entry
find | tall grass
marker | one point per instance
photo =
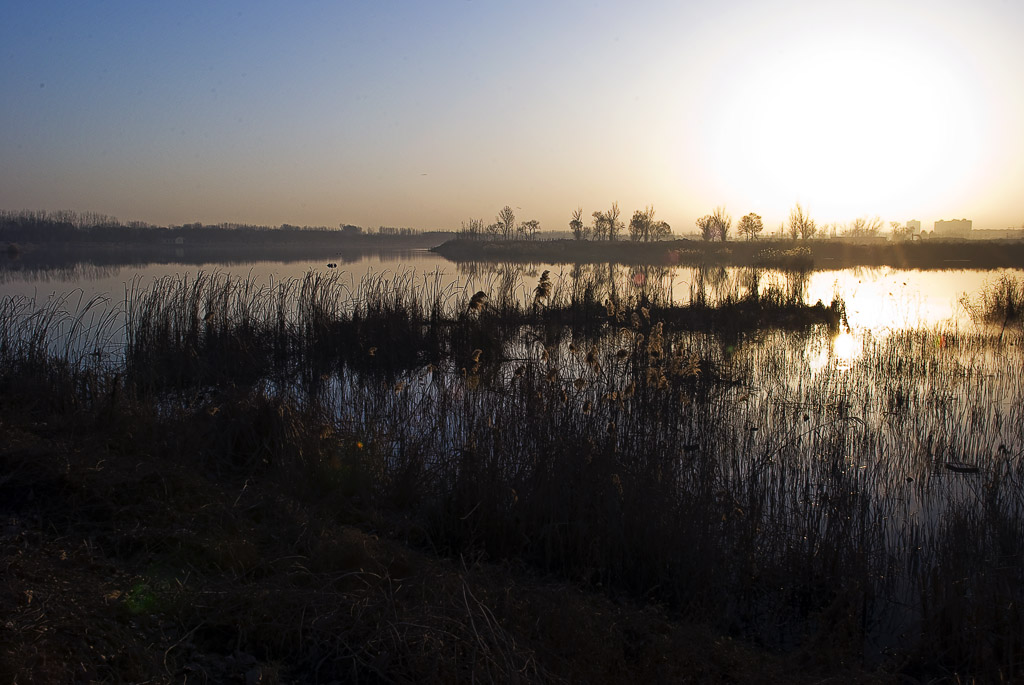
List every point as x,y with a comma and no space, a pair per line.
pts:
66,343
1000,302
689,455
211,329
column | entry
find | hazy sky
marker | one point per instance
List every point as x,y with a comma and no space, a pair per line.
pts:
425,114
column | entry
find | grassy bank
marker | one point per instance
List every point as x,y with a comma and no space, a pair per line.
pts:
691,466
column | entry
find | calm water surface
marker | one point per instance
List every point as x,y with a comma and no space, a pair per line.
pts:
878,300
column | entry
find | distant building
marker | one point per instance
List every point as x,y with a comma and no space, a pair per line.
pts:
955,228
914,227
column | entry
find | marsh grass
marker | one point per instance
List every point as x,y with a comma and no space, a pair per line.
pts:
212,329
689,455
999,303
67,343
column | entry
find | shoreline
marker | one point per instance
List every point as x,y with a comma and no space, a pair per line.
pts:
811,254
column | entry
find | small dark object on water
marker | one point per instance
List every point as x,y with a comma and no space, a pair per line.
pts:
961,467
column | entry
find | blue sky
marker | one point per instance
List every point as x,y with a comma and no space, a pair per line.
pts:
427,114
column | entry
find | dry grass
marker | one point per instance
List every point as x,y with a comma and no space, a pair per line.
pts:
1000,303
136,559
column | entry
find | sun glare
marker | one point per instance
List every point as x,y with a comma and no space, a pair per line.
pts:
845,348
851,128
842,350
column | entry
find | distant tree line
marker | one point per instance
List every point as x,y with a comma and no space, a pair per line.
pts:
504,227
67,226
605,225
717,225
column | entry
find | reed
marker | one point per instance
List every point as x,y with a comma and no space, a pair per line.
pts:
1000,302
868,508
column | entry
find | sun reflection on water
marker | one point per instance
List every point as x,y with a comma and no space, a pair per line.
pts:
846,348
843,349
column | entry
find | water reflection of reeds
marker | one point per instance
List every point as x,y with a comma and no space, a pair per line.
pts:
11,272
84,262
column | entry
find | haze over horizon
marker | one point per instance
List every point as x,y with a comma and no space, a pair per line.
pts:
428,114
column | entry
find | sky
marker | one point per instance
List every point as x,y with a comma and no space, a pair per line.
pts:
427,114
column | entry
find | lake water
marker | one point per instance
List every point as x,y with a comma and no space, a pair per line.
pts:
800,425
878,299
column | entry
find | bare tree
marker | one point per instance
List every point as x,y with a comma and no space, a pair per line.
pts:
576,224
506,222
641,226
750,226
901,231
794,230
599,227
800,223
614,225
530,228
607,224
862,227
474,228
638,225
706,224
716,225
723,222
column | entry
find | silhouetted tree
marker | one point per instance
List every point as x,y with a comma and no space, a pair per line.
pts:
530,228
640,224
715,225
750,226
506,222
706,225
901,231
598,228
862,227
643,226
800,223
577,226
723,222
614,225
607,224
473,228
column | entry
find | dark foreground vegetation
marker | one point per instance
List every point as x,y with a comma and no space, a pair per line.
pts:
400,480
819,253
136,548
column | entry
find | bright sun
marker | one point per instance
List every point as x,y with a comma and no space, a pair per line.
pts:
854,129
